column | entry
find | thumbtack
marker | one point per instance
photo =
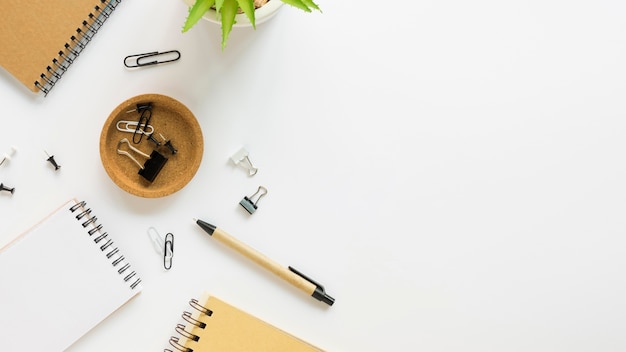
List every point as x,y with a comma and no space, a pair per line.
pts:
5,188
241,158
8,155
52,161
169,145
249,204
154,140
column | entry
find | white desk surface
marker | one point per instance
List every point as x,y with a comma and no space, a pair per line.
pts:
452,171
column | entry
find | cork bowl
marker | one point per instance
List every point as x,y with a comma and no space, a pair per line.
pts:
170,119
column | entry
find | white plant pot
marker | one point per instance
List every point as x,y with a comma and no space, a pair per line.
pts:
261,14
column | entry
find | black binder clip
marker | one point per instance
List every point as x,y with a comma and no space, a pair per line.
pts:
249,204
153,58
153,165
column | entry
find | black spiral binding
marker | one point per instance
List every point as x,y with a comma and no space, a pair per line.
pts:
76,44
106,243
180,328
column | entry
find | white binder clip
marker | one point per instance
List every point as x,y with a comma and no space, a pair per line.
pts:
8,155
241,158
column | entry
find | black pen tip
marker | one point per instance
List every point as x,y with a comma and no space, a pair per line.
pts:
206,226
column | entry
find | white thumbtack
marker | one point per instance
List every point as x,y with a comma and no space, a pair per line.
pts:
8,155
241,158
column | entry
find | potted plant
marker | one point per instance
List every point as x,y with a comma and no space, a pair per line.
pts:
228,12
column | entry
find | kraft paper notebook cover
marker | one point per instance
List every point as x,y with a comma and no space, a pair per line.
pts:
59,280
216,326
41,38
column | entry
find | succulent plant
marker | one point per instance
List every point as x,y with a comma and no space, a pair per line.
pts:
228,9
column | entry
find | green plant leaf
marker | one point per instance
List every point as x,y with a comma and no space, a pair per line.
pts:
310,4
228,10
298,3
199,8
247,6
218,5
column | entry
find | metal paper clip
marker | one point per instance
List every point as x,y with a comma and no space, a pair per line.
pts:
168,251
241,158
132,127
157,240
152,58
249,204
153,165
163,247
8,155
144,120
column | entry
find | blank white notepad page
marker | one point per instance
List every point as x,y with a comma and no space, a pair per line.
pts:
57,283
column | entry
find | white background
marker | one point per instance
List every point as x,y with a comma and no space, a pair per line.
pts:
452,171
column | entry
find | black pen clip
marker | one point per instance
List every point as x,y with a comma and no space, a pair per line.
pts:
319,292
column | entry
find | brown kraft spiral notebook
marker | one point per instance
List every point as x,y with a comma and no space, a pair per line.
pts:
41,38
216,326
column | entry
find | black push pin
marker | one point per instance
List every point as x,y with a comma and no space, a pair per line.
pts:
5,188
52,161
171,147
154,140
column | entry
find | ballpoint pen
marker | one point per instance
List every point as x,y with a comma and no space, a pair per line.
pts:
288,274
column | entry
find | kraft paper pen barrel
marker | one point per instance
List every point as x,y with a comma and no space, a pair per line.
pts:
288,274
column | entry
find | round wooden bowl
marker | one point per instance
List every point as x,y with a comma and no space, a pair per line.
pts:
171,119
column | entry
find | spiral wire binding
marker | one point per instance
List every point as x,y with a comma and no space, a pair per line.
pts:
107,246
76,44
180,328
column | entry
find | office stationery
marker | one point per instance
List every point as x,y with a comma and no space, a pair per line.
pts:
6,189
168,251
241,158
249,204
133,126
52,161
152,58
9,155
60,279
169,118
151,167
41,39
289,274
164,247
145,111
216,326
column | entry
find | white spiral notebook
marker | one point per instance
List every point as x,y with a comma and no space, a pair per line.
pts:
64,275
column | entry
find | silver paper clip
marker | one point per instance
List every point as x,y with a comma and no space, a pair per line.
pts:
249,204
241,158
163,247
157,241
168,251
132,127
152,58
